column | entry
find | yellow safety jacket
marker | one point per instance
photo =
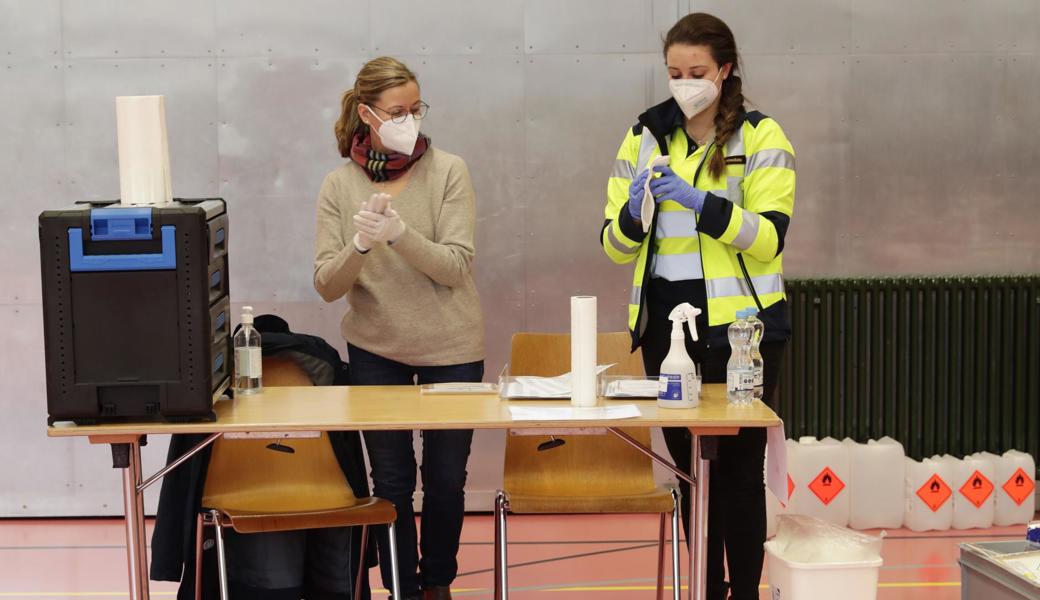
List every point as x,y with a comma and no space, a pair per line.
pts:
735,245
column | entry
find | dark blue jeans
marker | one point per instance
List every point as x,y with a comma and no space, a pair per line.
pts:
392,456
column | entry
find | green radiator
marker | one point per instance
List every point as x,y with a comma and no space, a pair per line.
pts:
944,365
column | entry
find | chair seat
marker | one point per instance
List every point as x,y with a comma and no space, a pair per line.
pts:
366,511
657,501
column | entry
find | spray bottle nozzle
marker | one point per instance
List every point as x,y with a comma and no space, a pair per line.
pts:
684,313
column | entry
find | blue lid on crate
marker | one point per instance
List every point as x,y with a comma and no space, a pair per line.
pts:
121,224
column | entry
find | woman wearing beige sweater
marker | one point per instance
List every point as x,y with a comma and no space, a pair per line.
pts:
412,311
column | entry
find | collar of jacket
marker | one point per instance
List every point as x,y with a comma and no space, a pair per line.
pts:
662,120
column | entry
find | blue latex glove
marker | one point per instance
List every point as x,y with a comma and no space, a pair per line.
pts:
670,186
635,195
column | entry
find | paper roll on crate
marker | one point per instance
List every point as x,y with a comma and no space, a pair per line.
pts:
144,154
583,351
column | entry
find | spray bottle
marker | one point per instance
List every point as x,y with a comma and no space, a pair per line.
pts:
680,385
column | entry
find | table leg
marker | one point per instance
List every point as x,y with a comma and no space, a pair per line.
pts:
127,457
699,521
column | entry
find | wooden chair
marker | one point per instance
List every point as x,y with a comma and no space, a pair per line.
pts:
252,488
588,473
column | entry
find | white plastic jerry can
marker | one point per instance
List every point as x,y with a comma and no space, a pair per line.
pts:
819,470
877,484
929,497
975,502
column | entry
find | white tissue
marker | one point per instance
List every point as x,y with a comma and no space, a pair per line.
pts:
583,351
649,204
144,154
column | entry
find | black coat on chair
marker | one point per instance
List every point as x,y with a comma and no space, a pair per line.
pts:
173,539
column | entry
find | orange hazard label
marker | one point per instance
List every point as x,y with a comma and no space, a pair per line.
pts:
977,489
790,491
826,486
934,493
1019,487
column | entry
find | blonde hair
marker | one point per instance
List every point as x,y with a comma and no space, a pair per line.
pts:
377,76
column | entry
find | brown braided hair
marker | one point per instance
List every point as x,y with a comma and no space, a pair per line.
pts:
702,29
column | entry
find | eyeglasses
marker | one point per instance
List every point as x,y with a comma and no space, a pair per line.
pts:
399,115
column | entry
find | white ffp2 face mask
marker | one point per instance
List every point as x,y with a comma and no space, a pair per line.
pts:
399,137
694,95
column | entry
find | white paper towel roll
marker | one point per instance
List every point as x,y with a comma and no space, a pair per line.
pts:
144,155
583,351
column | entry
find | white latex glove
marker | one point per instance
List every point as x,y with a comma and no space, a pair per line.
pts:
369,226
363,243
364,239
394,227
379,228
377,203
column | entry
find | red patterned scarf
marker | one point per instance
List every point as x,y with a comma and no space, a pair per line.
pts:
384,167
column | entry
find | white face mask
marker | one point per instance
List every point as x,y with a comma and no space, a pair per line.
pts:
399,137
694,95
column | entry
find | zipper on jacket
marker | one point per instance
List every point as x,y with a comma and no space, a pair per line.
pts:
747,278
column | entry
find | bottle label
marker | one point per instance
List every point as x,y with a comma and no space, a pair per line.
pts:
248,362
669,387
740,380
759,377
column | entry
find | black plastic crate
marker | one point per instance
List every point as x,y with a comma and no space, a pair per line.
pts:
135,311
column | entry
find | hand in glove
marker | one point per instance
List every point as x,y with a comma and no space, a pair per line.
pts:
379,227
635,195
377,202
670,186
363,242
394,227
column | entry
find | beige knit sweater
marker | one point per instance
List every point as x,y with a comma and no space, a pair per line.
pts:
413,301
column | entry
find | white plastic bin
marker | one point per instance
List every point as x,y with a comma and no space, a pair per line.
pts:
811,559
789,580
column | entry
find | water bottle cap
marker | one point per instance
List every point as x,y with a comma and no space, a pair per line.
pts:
751,311
741,314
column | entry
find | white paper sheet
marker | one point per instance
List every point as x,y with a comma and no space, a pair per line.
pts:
1026,564
632,388
649,204
572,413
776,463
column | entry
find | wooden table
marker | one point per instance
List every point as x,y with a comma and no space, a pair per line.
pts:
288,410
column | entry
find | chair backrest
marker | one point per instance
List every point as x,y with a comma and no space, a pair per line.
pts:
587,465
246,475
549,354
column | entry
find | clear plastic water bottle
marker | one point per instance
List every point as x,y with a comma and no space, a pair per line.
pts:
758,330
248,357
740,375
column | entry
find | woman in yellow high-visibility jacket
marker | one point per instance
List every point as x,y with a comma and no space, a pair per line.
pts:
723,206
